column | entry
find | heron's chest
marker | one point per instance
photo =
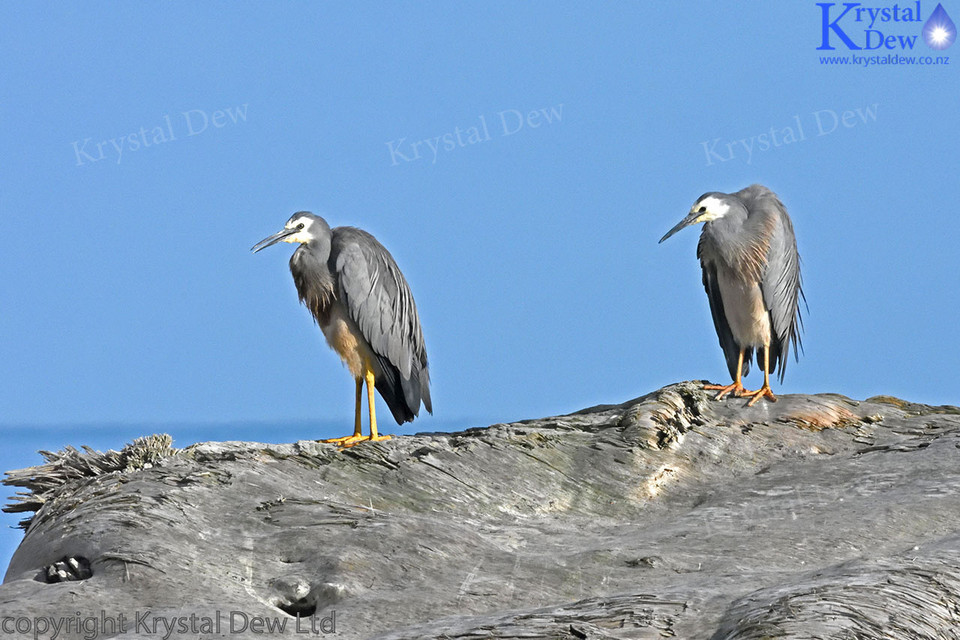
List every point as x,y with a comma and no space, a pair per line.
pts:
344,337
744,308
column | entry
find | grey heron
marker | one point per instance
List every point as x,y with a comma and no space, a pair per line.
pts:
751,272
359,298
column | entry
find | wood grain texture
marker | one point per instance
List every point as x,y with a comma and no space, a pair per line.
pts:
672,515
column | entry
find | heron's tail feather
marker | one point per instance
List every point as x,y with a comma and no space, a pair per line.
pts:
425,391
747,359
779,353
403,396
389,385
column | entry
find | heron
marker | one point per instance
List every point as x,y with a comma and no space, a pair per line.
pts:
751,272
363,305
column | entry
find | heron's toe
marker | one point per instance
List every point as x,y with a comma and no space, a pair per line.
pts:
352,443
736,388
346,440
762,392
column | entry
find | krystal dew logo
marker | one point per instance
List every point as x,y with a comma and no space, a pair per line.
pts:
939,32
859,27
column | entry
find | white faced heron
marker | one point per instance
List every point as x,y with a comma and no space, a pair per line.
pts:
751,271
362,303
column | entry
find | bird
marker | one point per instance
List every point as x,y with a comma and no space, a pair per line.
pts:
751,273
363,305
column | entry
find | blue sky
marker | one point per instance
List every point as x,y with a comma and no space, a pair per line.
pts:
149,146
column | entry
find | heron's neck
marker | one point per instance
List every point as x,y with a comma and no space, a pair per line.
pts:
735,242
312,276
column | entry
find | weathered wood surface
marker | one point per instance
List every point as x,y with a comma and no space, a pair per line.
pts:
672,515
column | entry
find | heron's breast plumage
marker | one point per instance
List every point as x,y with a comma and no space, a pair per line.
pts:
317,289
744,308
344,337
740,263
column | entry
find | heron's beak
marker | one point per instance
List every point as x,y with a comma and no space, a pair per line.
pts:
692,218
274,239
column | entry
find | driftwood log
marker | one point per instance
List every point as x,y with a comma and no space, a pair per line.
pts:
672,515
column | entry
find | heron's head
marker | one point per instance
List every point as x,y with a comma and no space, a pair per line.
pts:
302,227
709,206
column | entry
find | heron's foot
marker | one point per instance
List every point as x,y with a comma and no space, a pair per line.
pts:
736,388
763,392
346,440
352,442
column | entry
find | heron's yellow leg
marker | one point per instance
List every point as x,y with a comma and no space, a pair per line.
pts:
736,387
356,420
371,402
765,391
357,426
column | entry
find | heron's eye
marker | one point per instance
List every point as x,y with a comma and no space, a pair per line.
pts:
300,227
702,210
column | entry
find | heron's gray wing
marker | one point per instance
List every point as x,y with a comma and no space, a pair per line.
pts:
780,280
731,350
378,299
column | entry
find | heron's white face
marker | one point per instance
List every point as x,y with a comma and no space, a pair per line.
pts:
302,225
710,208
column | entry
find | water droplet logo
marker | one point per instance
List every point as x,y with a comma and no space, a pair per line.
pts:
939,32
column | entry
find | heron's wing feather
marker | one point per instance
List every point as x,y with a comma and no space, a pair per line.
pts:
731,351
780,280
378,299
